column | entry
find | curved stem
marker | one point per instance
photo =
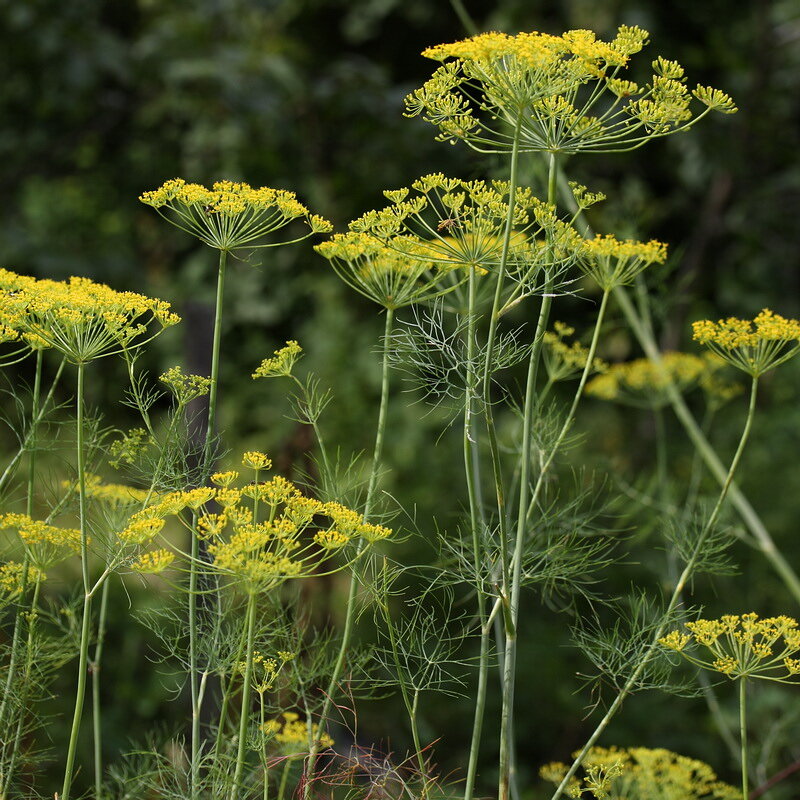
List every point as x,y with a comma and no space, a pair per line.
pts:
630,684
347,632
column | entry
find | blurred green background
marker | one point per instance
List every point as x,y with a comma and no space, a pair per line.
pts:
101,101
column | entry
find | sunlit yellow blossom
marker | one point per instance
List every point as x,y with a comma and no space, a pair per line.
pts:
256,460
231,215
752,346
185,387
13,577
47,544
141,531
741,646
81,319
613,262
555,93
280,364
224,479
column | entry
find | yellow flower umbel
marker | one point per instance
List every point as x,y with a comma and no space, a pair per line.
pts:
754,347
231,215
84,320
564,361
645,383
45,544
555,93
385,274
639,773
281,363
612,262
451,223
742,646
291,733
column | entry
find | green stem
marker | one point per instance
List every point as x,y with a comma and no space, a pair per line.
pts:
630,684
96,709
226,693
245,708
284,778
512,577
486,381
470,462
347,633
215,348
83,657
743,734
738,499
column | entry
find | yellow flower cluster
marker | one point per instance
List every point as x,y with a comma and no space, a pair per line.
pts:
451,223
154,562
613,262
562,360
281,362
81,319
13,576
266,531
644,774
185,388
256,460
393,275
753,346
292,733
644,382
47,544
230,215
555,93
742,646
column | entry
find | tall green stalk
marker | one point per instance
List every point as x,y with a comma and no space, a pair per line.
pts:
244,717
470,460
97,726
349,619
83,656
194,676
512,572
674,600
743,734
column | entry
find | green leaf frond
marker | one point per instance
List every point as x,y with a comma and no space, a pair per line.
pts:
615,640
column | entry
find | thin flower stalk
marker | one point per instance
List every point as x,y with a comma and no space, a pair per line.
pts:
512,571
244,717
674,599
347,632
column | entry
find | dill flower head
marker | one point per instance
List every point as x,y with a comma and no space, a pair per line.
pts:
392,276
14,576
82,319
185,388
562,360
153,562
644,382
756,346
451,223
614,262
642,773
281,363
741,646
46,544
231,215
262,533
562,93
